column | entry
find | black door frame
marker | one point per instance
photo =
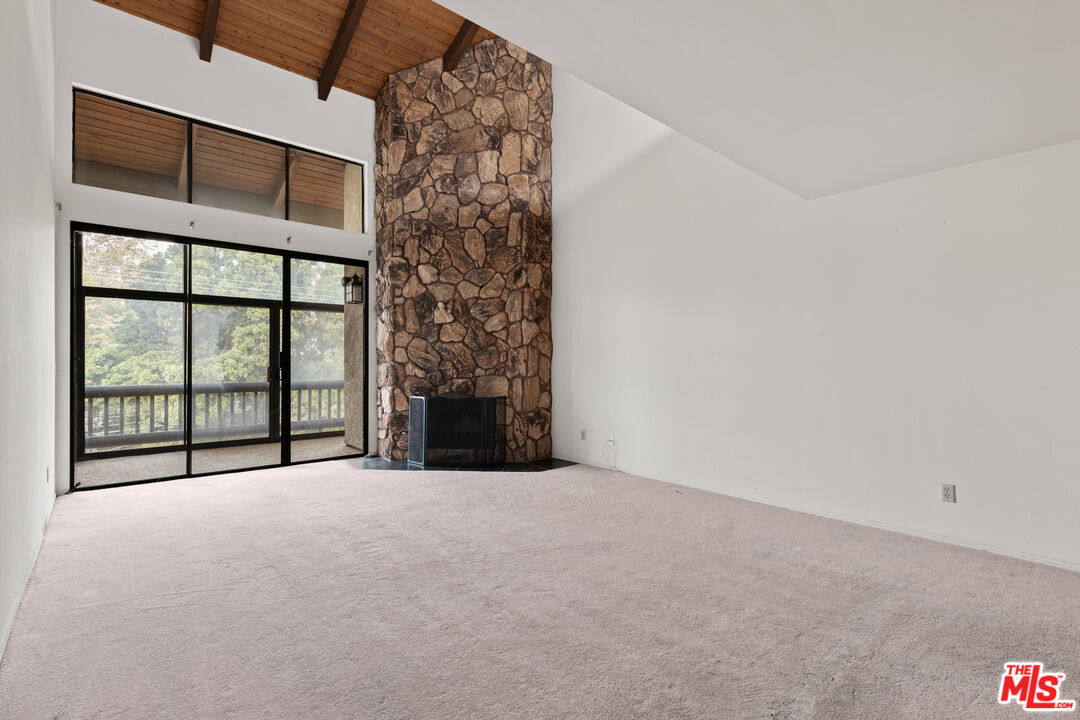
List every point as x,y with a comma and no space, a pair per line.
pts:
284,306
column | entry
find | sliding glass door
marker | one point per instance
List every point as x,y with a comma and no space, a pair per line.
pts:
193,358
316,356
233,397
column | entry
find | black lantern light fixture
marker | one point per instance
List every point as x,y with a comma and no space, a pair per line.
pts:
354,289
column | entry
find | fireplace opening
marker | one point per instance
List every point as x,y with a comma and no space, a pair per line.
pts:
457,429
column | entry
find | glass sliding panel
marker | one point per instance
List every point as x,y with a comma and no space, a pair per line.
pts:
133,390
133,370
326,191
114,261
231,398
318,371
129,468
128,148
317,393
317,282
236,172
235,273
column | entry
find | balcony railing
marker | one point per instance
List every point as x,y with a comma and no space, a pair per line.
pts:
121,416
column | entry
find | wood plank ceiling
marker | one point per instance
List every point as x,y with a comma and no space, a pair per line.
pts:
111,133
299,35
118,135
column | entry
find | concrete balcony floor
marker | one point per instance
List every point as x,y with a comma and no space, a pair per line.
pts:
110,471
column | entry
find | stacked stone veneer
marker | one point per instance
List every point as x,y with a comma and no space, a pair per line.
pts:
463,223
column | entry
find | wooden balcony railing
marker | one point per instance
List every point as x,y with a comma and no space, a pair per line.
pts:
120,416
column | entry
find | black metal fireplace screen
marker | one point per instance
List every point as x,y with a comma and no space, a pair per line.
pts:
457,430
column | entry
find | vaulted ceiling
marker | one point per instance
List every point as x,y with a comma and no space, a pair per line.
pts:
353,45
822,96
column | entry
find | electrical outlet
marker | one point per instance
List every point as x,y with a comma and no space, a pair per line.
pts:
948,493
46,474
582,434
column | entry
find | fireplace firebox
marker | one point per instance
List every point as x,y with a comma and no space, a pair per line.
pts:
457,430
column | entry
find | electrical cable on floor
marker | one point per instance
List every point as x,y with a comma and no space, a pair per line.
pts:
603,451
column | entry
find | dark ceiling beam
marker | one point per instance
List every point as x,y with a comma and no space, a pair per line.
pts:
209,29
181,182
458,45
293,161
341,45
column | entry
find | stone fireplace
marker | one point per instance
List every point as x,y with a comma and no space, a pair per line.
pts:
463,241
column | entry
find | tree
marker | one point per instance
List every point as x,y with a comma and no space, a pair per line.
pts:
138,342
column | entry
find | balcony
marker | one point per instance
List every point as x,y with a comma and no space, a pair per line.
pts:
153,311
123,417
136,432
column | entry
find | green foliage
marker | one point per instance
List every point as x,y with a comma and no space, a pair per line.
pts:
230,344
141,342
318,347
133,342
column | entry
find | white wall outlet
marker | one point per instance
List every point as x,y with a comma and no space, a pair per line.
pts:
611,437
948,493
582,434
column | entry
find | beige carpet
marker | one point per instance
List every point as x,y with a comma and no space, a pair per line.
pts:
327,591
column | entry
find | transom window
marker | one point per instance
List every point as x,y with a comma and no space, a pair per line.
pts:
122,146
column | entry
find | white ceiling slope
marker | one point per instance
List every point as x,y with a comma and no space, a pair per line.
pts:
822,96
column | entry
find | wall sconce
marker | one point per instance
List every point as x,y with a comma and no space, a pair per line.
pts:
354,289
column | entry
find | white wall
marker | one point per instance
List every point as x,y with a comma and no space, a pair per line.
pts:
843,356
26,293
101,48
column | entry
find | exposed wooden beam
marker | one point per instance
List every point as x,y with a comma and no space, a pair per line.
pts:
341,45
294,161
209,29
458,45
181,183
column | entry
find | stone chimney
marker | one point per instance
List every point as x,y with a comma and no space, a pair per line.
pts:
463,223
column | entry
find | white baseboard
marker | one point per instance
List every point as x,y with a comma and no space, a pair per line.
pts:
915,532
